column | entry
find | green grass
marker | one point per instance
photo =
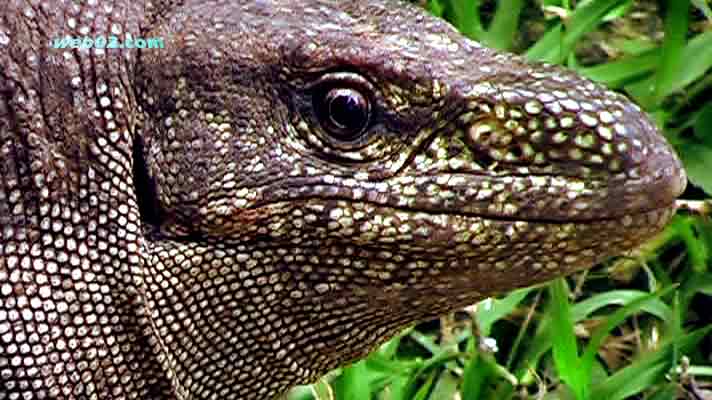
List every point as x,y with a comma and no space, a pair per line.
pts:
635,328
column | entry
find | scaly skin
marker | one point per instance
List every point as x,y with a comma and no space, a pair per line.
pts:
196,222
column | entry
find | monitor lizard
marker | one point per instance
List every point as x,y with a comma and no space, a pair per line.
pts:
282,187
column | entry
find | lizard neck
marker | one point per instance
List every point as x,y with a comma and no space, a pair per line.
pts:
239,316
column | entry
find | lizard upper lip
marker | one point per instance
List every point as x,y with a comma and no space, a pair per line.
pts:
552,219
541,198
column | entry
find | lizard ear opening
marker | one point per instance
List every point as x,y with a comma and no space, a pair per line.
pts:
146,195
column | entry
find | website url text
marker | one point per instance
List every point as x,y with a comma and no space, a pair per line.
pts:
106,42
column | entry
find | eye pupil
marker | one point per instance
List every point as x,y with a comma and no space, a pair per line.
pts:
346,109
347,113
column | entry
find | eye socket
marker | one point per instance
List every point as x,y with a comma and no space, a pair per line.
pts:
343,111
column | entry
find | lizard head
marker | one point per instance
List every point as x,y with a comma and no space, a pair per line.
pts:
362,165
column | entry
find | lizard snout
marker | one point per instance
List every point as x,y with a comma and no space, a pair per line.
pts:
654,174
568,148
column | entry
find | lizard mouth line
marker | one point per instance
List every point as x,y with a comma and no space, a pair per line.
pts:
564,219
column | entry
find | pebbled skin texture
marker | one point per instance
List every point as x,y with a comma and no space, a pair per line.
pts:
178,223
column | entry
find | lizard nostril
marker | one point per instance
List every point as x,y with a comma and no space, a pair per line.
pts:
517,152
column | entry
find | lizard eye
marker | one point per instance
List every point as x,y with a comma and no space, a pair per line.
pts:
343,111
